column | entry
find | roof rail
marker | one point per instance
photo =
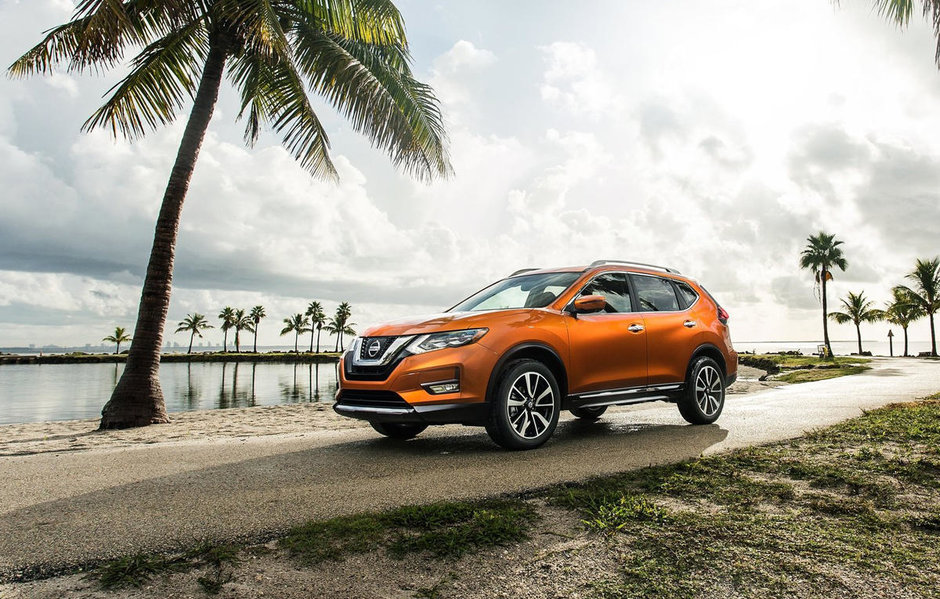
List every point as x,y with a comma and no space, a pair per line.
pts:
522,270
641,264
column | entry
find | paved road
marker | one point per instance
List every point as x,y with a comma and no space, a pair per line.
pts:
65,509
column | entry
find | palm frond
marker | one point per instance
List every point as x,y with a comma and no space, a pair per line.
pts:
373,87
840,317
163,77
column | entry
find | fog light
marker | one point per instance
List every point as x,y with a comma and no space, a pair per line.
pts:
442,387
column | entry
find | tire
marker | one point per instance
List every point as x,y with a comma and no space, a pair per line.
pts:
398,430
704,396
589,413
524,410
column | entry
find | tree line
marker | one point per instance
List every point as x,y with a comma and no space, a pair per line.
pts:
909,302
313,320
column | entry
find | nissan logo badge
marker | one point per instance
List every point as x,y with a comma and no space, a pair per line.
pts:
374,348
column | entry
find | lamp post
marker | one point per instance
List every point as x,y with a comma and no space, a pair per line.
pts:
891,342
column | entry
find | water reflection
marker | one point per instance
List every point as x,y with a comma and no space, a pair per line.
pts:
30,392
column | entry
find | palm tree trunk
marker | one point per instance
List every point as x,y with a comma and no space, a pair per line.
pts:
318,339
296,336
858,331
254,348
224,341
137,400
933,338
117,350
311,340
336,345
237,344
825,316
191,336
905,341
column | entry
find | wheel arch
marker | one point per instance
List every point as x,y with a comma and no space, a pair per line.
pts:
535,351
710,350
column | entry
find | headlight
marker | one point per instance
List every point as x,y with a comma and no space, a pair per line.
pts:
426,343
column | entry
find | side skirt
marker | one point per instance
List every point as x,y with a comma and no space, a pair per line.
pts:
625,396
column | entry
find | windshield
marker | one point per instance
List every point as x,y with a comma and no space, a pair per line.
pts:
526,291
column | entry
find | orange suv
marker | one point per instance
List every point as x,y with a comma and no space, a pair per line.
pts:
513,356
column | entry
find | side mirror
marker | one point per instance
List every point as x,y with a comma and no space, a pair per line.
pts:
590,303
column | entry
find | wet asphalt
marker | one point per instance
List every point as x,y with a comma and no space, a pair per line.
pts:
67,509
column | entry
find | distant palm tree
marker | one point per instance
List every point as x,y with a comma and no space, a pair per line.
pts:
900,12
333,327
347,330
120,336
354,53
317,318
858,309
820,255
296,324
343,312
926,292
195,323
257,313
902,310
227,316
241,322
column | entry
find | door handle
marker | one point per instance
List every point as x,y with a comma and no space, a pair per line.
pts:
689,323
635,328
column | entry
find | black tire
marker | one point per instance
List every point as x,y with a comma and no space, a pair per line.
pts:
521,403
589,413
398,430
704,396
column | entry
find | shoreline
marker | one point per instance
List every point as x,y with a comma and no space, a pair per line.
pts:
83,358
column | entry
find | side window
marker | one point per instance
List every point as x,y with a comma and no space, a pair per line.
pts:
687,295
612,286
655,294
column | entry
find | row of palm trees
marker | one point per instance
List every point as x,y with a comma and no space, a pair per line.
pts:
908,303
314,319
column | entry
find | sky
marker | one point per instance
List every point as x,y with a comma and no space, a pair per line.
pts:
712,137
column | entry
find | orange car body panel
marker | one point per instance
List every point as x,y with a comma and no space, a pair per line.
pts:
598,351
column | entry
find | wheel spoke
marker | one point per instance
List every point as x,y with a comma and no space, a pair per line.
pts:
530,406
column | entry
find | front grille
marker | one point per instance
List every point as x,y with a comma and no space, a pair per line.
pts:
368,350
371,399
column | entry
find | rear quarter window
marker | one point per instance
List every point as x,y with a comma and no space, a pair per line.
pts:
686,294
655,294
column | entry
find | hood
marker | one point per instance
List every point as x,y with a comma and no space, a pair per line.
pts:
434,323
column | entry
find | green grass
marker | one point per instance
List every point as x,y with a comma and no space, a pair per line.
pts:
137,570
819,374
803,517
448,529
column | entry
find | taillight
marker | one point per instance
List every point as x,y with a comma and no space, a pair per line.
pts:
723,315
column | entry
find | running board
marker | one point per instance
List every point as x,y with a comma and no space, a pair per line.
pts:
627,396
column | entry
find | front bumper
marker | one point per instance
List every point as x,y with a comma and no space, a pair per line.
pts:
404,396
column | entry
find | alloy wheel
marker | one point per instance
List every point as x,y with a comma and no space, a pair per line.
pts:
530,405
708,390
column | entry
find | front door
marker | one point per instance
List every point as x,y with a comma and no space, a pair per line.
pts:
608,348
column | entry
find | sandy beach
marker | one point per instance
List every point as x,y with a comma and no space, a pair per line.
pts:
205,425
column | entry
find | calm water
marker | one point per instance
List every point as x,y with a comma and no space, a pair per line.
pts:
839,348
36,393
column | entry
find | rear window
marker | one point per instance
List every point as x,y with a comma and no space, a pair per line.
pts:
655,294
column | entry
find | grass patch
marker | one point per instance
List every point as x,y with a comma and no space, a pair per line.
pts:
448,529
805,369
137,570
855,502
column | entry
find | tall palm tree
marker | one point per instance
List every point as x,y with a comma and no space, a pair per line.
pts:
257,313
195,323
926,292
296,324
120,336
333,327
227,316
354,53
902,310
241,322
821,254
317,318
858,309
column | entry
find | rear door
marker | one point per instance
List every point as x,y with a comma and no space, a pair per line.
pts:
608,349
670,329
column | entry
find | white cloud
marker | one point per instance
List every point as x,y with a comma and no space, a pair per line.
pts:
574,82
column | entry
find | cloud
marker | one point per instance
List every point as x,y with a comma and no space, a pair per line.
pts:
574,82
